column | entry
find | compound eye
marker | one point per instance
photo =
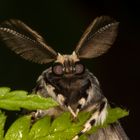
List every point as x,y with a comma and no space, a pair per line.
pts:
79,68
57,69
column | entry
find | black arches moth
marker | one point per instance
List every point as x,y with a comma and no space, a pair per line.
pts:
67,81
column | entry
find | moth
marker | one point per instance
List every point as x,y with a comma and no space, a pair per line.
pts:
68,81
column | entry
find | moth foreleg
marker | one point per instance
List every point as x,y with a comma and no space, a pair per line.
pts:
81,104
98,117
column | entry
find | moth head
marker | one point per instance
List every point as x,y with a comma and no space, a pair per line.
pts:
68,65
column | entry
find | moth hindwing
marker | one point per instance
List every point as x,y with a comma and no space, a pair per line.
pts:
67,81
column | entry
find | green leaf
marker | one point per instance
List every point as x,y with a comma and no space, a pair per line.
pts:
115,113
61,123
59,129
15,100
83,137
40,128
2,123
63,127
19,129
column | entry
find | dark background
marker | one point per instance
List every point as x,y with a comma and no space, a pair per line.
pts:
62,23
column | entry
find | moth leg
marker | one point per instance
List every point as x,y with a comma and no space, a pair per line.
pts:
72,112
81,104
98,117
